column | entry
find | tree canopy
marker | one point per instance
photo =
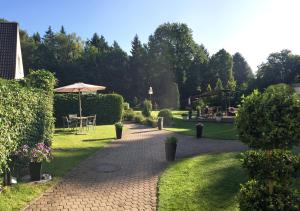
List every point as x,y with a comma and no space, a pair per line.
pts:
171,62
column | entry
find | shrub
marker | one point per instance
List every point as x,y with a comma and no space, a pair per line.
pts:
108,108
126,106
138,118
128,114
269,123
254,196
270,120
147,107
167,115
279,167
171,139
149,121
25,114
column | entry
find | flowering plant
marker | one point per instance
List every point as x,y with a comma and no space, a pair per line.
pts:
40,152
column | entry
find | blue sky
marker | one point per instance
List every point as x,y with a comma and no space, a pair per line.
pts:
255,28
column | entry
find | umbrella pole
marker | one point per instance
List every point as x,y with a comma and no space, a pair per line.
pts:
80,132
80,115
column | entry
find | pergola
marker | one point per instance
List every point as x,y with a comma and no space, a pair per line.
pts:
213,93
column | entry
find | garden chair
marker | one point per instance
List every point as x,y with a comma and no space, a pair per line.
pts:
66,122
91,121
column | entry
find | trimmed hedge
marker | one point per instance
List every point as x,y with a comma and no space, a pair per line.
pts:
25,115
108,107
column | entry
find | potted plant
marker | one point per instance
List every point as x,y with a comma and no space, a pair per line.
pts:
219,116
170,148
119,128
36,155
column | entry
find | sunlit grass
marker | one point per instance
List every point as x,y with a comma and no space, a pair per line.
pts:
215,130
204,183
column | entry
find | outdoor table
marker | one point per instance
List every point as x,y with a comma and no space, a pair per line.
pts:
79,119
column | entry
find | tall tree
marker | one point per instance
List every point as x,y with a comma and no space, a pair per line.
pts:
172,46
220,67
115,65
139,82
62,30
99,42
195,76
241,70
37,38
29,48
219,85
281,67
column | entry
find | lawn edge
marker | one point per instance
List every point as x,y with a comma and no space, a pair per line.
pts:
182,133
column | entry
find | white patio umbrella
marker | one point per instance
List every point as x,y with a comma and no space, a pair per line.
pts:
79,88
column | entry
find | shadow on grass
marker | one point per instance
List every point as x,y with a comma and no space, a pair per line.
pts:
223,186
98,139
209,183
64,132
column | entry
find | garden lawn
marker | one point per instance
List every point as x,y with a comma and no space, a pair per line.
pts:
68,150
206,182
215,130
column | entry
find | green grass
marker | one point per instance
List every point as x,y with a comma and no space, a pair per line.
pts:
207,182
68,150
213,130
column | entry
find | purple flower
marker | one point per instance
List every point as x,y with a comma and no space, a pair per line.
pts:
40,152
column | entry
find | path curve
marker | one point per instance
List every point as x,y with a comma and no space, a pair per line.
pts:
124,175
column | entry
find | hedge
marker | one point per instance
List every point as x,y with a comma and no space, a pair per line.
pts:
25,114
108,107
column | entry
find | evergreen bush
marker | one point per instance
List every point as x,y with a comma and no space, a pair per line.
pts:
149,121
128,114
126,106
138,118
147,108
167,115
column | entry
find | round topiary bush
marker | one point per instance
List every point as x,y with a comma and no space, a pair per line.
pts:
270,120
254,196
281,166
269,123
167,115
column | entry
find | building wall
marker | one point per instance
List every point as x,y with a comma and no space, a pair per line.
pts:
19,62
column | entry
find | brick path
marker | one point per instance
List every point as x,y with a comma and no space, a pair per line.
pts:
124,175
